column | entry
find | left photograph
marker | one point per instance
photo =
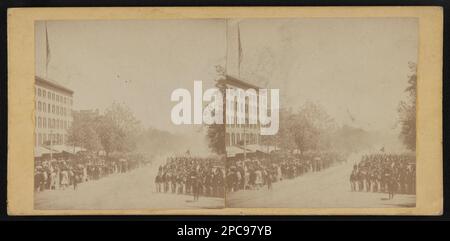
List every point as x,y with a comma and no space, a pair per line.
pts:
104,136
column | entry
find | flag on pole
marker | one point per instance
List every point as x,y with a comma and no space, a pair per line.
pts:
239,49
48,53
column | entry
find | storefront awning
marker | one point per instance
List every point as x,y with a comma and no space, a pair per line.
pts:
40,151
67,149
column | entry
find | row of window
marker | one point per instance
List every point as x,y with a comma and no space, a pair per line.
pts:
50,139
55,109
232,116
51,123
238,139
234,107
52,96
248,126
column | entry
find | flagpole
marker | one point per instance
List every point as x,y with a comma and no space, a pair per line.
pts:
47,51
226,45
239,76
245,140
239,49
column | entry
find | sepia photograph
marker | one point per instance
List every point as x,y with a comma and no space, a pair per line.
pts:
215,113
104,134
347,114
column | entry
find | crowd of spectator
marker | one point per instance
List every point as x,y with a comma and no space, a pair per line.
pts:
254,173
61,173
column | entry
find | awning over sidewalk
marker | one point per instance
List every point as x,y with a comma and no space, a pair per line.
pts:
40,150
267,149
233,151
68,149
56,149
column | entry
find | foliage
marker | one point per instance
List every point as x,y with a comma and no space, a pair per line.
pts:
407,111
115,130
305,130
118,129
83,132
216,132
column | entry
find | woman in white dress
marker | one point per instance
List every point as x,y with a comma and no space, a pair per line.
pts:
53,180
64,179
259,178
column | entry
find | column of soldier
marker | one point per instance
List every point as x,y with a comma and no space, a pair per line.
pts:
385,173
254,173
191,175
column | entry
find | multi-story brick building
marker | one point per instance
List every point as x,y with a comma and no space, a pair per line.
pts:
53,112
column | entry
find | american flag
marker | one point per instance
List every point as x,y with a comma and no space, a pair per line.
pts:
239,48
47,45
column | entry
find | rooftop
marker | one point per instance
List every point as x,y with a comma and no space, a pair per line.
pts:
42,81
230,80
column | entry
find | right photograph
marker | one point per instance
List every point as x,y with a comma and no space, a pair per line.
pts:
346,130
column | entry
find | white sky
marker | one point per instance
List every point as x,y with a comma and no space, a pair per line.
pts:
355,64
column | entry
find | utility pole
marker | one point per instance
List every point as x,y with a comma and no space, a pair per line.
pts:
245,142
51,145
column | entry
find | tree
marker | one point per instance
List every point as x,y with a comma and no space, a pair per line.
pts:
216,137
285,138
308,129
216,132
407,111
83,132
318,124
118,129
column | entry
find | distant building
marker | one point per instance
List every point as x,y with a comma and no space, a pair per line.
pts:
89,112
53,112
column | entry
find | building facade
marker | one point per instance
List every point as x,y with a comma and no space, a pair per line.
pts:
53,113
240,138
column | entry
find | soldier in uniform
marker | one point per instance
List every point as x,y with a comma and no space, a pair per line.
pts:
158,182
196,183
173,182
353,179
165,180
392,185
